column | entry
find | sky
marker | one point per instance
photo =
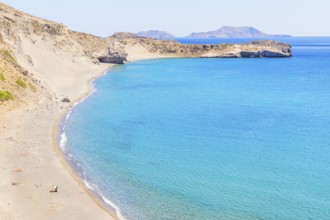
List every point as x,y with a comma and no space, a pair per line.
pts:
182,17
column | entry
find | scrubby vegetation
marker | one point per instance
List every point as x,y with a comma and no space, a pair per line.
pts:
21,83
33,88
2,77
5,96
10,55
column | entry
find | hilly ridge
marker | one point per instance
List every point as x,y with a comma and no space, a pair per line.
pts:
155,34
223,32
234,32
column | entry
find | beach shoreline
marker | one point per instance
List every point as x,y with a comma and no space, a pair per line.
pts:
46,65
32,160
59,129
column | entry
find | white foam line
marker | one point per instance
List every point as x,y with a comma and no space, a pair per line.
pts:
94,188
63,142
63,137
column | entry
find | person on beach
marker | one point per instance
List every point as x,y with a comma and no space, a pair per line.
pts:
54,189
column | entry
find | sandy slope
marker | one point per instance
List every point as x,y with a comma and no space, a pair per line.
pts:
137,52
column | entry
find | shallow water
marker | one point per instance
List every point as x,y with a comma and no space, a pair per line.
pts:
210,138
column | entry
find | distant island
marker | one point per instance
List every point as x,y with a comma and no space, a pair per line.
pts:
234,32
156,34
223,32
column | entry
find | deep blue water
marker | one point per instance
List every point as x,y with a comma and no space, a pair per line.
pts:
211,138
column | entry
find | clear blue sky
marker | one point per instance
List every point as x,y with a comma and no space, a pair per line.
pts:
181,17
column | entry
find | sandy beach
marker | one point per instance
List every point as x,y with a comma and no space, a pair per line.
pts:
31,162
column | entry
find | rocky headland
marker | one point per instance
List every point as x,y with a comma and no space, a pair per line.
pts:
171,48
127,47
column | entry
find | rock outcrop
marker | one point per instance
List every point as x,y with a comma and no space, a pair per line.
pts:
114,56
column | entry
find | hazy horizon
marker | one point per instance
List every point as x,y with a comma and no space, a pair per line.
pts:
103,18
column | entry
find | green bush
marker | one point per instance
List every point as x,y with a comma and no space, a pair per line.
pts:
21,83
2,78
5,96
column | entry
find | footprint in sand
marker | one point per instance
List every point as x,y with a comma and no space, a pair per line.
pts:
55,205
25,154
16,183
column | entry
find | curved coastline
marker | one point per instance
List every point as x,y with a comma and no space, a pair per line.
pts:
59,142
62,63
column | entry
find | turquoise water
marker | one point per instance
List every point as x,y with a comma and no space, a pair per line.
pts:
210,138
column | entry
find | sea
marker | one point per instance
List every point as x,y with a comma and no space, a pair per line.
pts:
209,139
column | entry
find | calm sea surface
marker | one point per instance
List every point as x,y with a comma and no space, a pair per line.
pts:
210,138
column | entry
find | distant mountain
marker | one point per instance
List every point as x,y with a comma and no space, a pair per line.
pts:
233,32
161,35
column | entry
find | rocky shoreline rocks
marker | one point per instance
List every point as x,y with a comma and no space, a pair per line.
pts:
169,48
